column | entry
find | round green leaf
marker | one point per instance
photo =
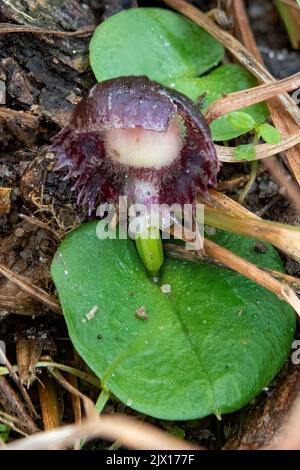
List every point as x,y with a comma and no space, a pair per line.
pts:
154,42
241,121
245,152
209,345
221,81
270,134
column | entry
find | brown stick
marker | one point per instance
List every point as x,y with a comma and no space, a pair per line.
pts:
280,114
249,270
6,28
12,404
227,154
18,382
38,223
36,292
240,52
292,281
179,252
22,124
285,237
253,64
230,260
49,402
131,433
233,208
241,99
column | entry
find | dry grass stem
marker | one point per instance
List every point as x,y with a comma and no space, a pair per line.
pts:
28,353
6,28
48,364
35,292
16,379
66,384
292,281
39,223
241,99
228,154
240,52
12,404
131,433
284,180
179,252
235,182
283,107
284,237
279,113
230,260
233,208
232,211
249,270
12,423
48,395
76,406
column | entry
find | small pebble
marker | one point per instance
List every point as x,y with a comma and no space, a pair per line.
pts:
261,247
19,232
141,313
165,288
90,315
209,230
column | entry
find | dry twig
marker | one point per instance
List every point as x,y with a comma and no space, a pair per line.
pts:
287,108
228,154
49,402
6,28
35,292
282,119
131,433
241,99
12,404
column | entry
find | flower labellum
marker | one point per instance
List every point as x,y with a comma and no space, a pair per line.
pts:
132,137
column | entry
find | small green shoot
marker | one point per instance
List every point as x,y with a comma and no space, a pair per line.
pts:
245,152
269,134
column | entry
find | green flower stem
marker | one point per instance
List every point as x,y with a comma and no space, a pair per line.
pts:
102,400
253,173
249,185
149,247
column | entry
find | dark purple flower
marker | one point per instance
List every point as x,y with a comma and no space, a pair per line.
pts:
133,137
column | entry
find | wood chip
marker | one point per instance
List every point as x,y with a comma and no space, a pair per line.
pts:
5,205
141,313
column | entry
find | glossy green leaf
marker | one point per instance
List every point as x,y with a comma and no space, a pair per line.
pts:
154,42
4,432
245,152
225,79
270,134
208,346
241,121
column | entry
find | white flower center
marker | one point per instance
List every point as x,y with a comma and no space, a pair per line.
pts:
142,148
